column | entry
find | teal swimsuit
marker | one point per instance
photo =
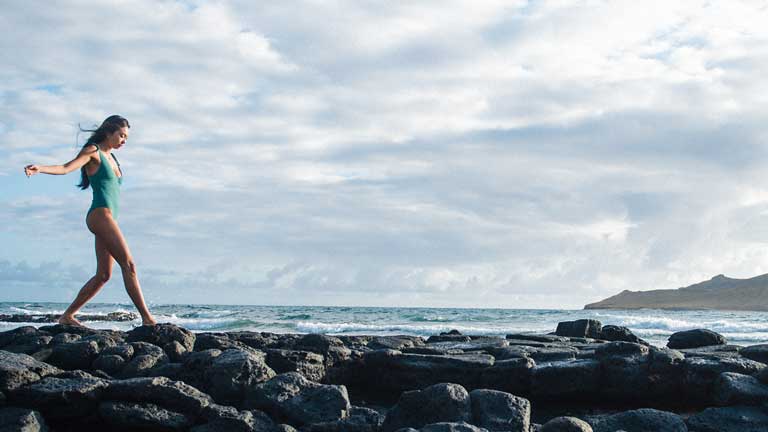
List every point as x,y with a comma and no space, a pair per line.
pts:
106,187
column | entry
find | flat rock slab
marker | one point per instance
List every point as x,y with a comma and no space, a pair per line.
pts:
641,420
395,342
565,379
175,395
17,370
700,373
61,398
621,349
72,329
538,354
142,416
389,371
737,389
756,353
537,338
730,419
471,345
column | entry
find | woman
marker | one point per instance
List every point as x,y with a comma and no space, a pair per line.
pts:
99,169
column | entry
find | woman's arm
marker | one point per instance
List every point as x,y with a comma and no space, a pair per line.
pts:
81,159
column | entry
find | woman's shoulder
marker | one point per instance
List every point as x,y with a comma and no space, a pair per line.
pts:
91,149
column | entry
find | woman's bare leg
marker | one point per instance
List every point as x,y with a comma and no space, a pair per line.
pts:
93,286
101,223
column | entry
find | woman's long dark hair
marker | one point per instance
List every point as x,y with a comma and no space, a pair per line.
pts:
108,126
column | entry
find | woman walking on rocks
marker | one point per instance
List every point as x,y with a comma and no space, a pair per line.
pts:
99,169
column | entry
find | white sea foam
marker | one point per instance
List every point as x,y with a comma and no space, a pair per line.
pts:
23,311
200,323
320,327
35,311
659,323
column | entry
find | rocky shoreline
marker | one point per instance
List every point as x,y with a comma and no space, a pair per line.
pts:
582,377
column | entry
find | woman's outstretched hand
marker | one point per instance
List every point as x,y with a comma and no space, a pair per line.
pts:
31,170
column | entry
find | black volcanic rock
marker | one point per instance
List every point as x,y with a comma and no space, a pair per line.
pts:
738,389
75,355
307,363
619,333
142,417
756,352
162,334
17,370
580,328
566,424
230,419
695,338
299,401
451,427
729,419
438,403
21,419
230,374
360,419
499,411
644,419
720,292
59,398
565,379
175,395
553,372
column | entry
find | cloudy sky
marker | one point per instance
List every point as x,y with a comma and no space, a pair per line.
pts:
529,154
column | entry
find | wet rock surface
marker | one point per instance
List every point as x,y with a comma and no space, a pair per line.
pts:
586,377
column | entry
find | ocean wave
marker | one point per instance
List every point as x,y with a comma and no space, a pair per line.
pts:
320,327
100,325
208,314
639,324
24,311
295,317
422,318
208,323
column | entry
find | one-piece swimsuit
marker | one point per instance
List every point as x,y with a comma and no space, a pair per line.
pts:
106,186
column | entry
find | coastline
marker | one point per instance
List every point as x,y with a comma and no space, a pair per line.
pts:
654,326
265,381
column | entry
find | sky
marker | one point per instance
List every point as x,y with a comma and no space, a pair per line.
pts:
504,154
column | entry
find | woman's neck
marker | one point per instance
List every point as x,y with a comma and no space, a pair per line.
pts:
105,148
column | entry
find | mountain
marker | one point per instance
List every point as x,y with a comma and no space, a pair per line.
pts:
720,292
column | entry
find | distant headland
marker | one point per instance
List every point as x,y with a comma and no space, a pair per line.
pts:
720,292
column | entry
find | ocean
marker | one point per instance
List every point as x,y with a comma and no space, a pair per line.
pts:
655,326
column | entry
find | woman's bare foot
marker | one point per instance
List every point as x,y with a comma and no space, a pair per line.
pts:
148,321
69,320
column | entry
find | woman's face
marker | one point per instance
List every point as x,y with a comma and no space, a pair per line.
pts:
118,138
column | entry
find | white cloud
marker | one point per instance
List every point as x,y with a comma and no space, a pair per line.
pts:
437,154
